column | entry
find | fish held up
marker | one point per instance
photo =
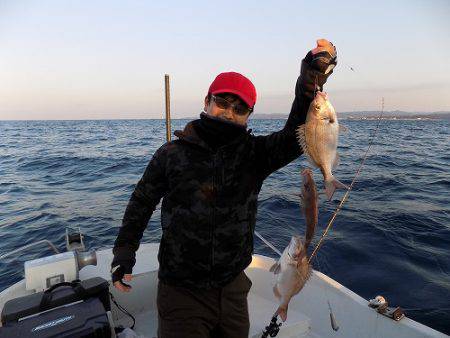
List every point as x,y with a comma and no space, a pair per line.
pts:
292,270
310,204
318,138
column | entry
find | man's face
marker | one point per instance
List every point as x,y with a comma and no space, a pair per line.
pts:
216,109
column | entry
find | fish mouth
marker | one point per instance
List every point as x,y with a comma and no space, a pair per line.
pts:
307,177
307,172
322,94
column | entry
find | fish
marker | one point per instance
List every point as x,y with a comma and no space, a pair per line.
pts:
293,271
333,322
318,137
310,204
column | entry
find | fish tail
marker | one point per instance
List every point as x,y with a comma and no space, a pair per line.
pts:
282,312
331,184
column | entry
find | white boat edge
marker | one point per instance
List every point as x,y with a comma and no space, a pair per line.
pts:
308,314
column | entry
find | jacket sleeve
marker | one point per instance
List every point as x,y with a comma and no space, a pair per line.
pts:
280,148
144,199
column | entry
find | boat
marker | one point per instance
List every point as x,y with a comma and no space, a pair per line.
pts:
323,308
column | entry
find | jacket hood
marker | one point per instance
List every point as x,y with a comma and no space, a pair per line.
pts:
189,134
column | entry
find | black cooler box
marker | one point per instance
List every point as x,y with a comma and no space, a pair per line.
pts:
77,309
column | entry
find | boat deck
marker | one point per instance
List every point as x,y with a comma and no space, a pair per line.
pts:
308,314
261,310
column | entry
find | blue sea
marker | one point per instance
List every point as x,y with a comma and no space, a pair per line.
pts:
391,238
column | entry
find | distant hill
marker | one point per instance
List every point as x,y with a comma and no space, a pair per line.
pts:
370,115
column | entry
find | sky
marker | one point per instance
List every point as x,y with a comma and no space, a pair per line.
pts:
107,59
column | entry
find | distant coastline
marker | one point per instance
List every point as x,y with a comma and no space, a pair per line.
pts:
363,115
371,115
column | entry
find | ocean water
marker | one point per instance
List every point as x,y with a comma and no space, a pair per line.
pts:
391,238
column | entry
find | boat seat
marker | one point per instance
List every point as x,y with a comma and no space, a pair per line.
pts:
261,311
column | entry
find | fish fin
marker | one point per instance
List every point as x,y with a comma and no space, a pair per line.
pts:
301,138
343,129
282,312
275,268
336,161
331,184
276,292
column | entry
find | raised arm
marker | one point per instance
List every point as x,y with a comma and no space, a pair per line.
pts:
144,199
279,148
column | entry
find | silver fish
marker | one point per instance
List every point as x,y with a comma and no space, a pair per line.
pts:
292,270
310,204
333,322
318,138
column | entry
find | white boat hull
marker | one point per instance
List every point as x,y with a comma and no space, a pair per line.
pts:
308,314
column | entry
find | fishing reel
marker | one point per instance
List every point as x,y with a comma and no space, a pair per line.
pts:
380,304
272,329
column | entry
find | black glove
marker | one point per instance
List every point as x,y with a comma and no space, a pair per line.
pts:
122,264
316,68
323,61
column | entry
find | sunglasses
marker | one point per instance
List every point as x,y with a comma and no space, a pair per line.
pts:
239,109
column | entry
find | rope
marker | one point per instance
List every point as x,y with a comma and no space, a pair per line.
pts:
333,217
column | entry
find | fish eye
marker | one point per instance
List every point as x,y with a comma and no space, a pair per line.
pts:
317,107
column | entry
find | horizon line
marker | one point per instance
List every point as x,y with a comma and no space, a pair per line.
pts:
253,117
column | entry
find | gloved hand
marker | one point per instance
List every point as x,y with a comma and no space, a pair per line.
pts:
316,67
324,57
121,269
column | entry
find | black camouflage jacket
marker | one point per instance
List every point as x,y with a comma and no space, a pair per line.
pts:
209,198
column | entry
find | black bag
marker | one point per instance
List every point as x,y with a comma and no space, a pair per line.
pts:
77,309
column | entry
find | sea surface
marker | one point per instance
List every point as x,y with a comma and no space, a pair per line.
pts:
391,238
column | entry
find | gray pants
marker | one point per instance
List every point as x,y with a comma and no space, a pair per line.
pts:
220,312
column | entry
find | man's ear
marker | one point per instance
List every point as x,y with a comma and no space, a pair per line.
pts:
206,103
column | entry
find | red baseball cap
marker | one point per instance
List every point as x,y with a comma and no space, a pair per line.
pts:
234,83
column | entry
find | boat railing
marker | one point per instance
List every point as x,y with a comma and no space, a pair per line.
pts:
25,247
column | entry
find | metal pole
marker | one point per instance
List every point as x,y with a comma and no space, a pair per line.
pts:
167,85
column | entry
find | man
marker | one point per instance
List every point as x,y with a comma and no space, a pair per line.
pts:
209,180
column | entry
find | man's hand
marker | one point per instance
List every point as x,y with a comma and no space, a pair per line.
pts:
317,66
323,45
323,57
118,274
122,267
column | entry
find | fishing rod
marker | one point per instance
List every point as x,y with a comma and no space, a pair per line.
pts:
344,199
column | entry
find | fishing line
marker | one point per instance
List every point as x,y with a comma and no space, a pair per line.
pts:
266,242
344,199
